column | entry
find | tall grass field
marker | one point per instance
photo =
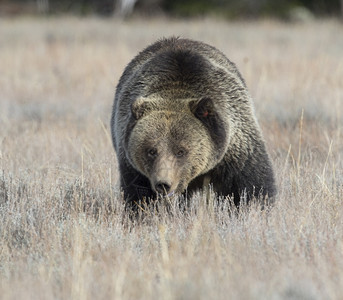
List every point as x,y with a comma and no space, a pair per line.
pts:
64,233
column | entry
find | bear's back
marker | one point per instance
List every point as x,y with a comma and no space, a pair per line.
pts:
178,60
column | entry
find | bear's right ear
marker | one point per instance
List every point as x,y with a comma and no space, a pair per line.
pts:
139,107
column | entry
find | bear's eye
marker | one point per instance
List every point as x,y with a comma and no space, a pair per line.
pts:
181,153
152,152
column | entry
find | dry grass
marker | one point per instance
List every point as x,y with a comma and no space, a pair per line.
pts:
63,232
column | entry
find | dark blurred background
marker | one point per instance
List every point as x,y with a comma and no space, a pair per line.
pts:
230,9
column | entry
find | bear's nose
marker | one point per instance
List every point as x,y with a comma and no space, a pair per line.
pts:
162,187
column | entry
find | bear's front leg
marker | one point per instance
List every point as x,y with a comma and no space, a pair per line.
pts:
136,187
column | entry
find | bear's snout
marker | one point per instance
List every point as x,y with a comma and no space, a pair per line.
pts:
162,187
164,176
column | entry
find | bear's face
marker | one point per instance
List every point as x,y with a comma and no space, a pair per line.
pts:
171,148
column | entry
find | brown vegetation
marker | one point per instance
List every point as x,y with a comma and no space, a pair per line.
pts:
63,232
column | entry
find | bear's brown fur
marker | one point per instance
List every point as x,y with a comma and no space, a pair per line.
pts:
182,117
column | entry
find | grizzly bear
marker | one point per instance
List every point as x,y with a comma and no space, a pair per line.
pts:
183,120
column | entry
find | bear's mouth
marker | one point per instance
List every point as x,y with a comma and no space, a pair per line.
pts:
172,193
166,194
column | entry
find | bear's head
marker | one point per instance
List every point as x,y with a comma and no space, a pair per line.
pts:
171,146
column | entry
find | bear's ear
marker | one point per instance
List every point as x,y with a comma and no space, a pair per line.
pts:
203,109
139,107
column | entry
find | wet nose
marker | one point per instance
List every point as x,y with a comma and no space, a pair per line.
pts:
162,187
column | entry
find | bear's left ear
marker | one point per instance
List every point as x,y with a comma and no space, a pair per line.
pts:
203,108
205,111
139,107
